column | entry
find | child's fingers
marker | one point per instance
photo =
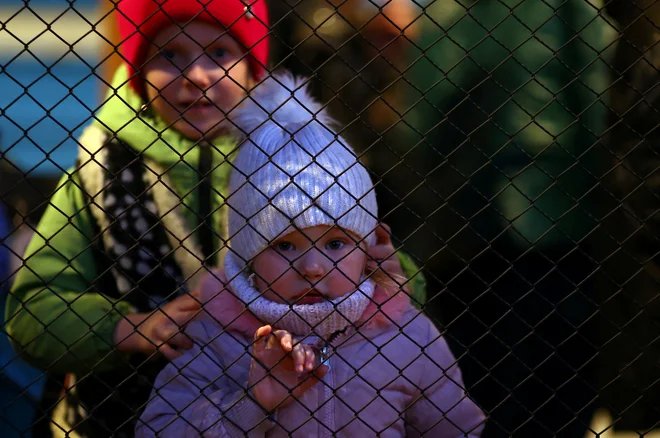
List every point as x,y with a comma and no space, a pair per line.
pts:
392,267
169,352
300,355
163,332
261,332
304,358
188,302
181,341
310,358
285,339
182,318
260,340
381,252
168,326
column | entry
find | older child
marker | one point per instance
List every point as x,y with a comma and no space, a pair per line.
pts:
329,346
129,230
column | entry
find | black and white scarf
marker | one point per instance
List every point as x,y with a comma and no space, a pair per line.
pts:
153,256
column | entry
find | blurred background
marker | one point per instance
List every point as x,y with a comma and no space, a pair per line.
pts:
47,93
512,143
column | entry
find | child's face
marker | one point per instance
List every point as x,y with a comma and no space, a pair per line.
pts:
195,76
300,268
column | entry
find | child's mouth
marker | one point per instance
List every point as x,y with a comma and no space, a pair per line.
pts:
309,297
197,106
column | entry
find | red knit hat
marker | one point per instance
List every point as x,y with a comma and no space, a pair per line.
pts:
140,20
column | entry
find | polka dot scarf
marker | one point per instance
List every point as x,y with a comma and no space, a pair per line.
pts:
144,267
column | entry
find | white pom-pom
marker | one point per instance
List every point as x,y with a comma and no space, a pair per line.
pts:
280,101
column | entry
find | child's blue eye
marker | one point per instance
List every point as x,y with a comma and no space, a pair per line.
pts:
334,245
167,54
219,53
284,246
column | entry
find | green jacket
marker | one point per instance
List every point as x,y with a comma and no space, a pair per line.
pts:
54,317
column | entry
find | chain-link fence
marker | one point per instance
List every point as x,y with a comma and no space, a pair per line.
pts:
447,219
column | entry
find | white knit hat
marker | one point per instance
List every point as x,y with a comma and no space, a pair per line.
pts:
293,172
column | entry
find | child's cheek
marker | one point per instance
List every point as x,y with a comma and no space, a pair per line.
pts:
345,277
357,261
271,267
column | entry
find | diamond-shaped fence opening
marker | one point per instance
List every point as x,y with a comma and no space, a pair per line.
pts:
329,218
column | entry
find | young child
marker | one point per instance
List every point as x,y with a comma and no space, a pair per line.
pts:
330,345
130,229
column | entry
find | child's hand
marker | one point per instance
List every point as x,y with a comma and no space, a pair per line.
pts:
384,254
222,306
160,330
217,299
280,368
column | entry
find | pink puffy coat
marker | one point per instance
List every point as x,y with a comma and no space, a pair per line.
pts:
396,377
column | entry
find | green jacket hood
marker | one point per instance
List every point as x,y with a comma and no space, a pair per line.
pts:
121,114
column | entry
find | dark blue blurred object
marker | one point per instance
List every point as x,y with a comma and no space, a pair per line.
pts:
21,386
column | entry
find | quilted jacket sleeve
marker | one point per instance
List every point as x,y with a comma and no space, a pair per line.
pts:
442,408
198,395
54,316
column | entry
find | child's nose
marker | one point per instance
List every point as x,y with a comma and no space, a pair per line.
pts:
198,75
311,265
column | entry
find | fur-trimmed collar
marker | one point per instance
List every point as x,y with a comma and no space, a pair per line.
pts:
227,311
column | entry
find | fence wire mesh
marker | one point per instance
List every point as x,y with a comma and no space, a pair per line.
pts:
448,219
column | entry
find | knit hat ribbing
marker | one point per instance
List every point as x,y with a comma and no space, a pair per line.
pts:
293,172
140,20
